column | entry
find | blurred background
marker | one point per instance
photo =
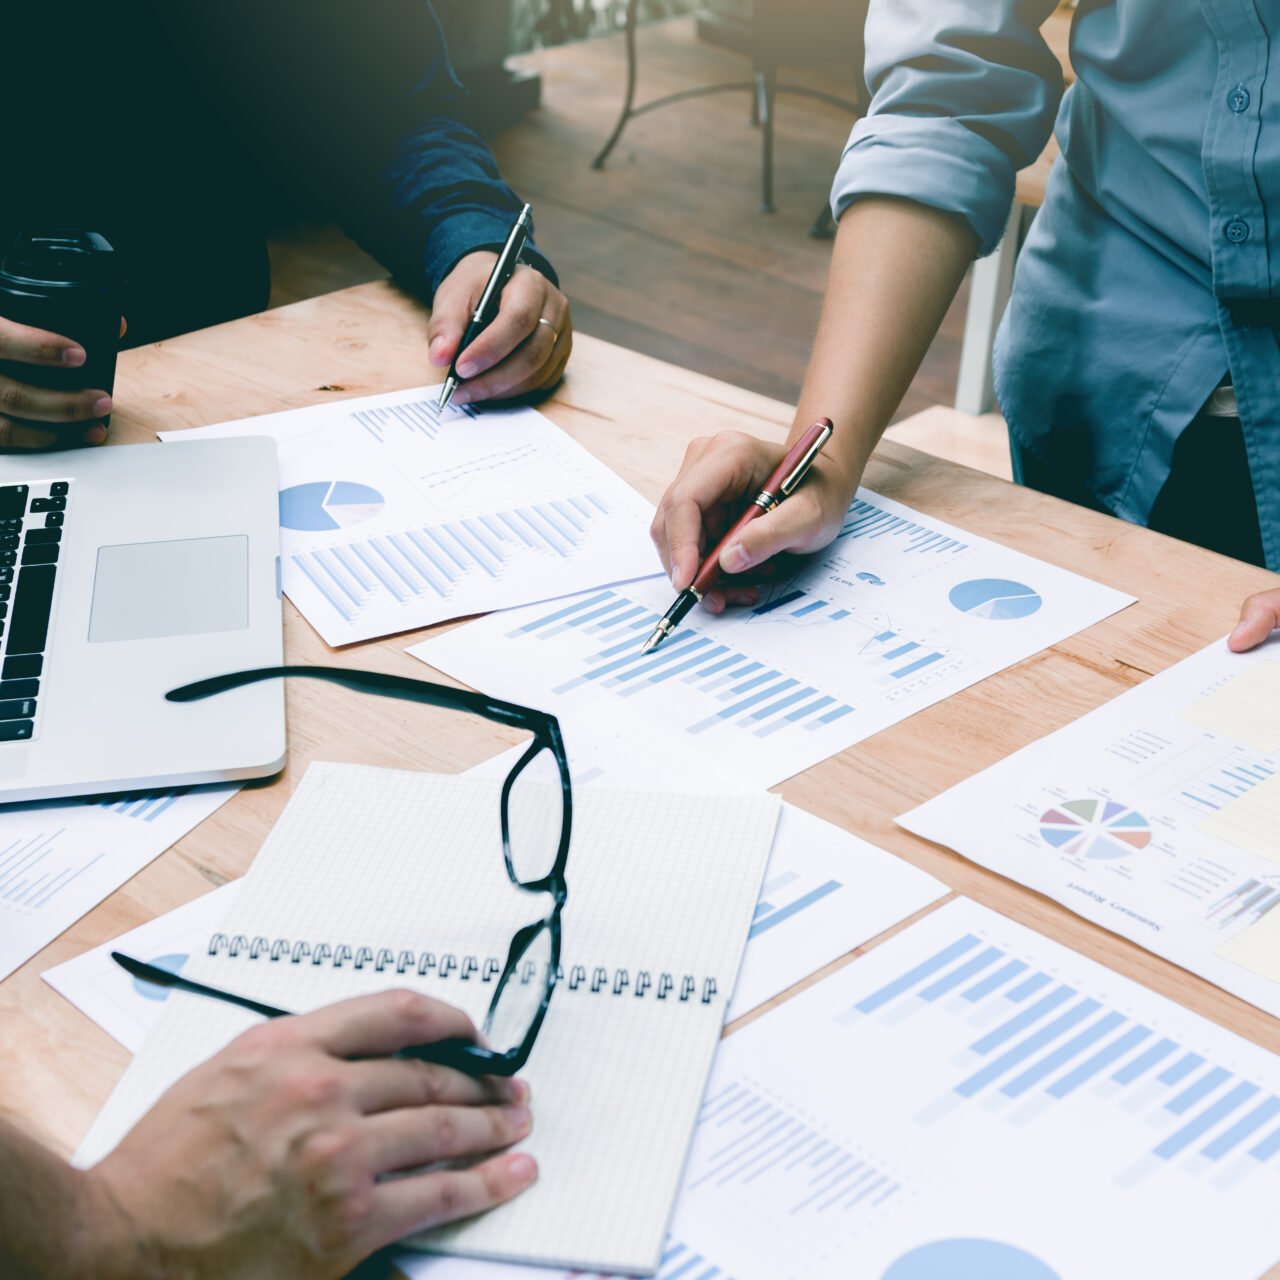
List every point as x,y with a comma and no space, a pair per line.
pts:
702,238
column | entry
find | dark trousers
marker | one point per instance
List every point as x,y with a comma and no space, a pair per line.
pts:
1208,498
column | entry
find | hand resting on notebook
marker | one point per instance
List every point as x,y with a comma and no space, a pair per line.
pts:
266,1161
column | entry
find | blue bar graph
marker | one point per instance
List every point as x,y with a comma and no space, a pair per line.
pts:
1226,783
733,689
1061,1040
1246,904
864,520
768,916
679,1262
431,561
412,417
147,807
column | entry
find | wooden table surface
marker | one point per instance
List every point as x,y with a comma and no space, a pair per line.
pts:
637,414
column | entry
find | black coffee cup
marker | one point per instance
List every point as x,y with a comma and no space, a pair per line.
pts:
69,283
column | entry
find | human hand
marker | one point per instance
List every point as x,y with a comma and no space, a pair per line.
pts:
719,474
1259,617
523,350
20,399
269,1160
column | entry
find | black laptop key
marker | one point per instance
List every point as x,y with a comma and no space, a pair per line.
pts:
19,688
5,588
53,520
4,605
58,489
26,666
13,501
8,559
18,709
8,541
29,623
40,554
16,730
6,575
48,504
43,535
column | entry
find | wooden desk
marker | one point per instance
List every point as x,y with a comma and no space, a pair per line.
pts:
637,414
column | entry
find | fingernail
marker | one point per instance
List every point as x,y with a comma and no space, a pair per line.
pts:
96,434
520,1118
523,1167
461,396
436,351
102,406
734,559
74,356
467,369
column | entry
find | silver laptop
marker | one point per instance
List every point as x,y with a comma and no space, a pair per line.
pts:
125,572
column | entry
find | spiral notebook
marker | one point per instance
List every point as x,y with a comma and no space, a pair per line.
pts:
376,878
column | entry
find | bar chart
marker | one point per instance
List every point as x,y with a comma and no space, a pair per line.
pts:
145,806
57,860
433,560
1244,905
869,521
417,416
1052,1039
928,1109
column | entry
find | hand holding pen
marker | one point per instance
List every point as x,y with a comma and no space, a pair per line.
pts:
680,517
503,341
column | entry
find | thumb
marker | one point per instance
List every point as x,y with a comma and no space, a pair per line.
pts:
793,526
1259,616
450,311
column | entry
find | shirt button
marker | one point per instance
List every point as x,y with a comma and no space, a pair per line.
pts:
1237,231
1238,99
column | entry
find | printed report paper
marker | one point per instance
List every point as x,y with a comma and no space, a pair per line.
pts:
1156,816
394,516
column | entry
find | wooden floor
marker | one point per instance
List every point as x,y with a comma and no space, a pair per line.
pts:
666,251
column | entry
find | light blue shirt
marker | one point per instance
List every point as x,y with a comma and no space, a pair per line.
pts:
1153,268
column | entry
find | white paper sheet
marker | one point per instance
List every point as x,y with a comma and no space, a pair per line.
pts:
1156,816
127,1008
899,613
971,1101
403,862
60,859
394,516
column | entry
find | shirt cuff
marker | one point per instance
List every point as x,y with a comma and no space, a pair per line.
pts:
934,161
466,231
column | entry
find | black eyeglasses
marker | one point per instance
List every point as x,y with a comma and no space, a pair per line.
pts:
535,849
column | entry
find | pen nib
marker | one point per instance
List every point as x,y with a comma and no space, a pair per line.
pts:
658,636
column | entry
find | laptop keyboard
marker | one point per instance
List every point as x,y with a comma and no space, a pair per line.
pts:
32,518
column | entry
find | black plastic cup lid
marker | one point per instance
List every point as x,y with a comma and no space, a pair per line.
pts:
62,257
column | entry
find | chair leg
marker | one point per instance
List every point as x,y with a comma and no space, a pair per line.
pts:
824,225
633,7
990,285
766,96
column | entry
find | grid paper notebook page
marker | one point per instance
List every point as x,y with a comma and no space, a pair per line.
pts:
411,864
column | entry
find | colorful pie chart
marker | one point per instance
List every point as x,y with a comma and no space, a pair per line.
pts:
1100,829
324,505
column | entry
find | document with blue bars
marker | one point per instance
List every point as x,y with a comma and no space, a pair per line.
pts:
898,613
394,515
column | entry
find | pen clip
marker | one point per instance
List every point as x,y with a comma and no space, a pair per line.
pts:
801,469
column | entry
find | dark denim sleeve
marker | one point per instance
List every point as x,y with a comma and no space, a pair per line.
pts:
356,109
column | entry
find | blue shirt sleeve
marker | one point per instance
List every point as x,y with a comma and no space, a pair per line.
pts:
964,94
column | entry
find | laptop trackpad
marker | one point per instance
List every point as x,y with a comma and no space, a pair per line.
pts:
144,590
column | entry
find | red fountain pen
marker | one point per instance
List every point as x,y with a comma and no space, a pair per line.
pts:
782,483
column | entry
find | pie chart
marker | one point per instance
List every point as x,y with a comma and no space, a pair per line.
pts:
149,990
323,505
970,1259
1100,829
996,598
